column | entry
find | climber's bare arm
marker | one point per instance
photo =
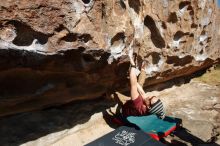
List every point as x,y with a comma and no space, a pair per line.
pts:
133,80
141,90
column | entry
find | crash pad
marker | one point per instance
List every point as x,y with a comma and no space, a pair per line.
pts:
155,126
126,136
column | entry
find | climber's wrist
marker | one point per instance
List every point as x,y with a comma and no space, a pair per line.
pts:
133,65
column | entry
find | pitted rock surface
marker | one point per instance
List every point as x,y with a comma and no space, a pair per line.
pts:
57,51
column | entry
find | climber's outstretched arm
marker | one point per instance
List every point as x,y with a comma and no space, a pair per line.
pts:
133,80
141,90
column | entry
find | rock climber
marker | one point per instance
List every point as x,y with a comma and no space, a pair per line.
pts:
140,104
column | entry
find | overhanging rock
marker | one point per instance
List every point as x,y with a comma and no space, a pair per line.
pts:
57,51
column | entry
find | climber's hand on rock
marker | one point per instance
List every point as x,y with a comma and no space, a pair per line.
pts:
132,61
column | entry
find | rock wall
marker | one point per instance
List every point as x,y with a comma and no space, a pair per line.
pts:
57,51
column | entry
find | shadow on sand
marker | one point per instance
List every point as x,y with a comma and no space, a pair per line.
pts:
183,137
22,128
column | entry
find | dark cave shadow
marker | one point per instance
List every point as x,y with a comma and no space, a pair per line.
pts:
115,118
110,117
21,128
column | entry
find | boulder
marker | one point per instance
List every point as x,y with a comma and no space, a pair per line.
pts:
57,51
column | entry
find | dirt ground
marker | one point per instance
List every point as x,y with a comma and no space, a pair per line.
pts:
197,103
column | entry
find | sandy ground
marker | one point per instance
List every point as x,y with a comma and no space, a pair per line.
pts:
196,103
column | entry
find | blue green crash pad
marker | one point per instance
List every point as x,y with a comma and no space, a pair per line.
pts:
153,125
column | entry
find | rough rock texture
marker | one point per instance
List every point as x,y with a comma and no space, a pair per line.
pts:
196,103
56,51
